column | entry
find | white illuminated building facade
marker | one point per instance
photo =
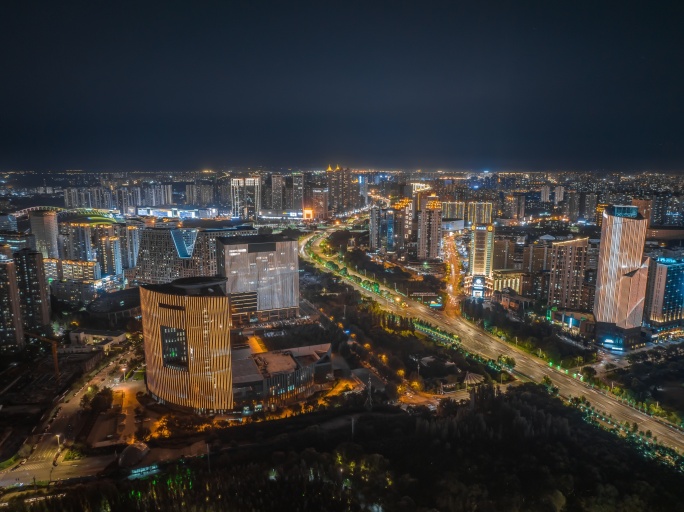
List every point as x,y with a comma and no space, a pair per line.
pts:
621,278
262,275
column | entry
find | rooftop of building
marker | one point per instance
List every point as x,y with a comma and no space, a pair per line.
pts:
250,367
255,239
245,371
624,211
202,286
98,332
217,224
122,300
508,271
271,363
86,218
13,233
578,315
675,259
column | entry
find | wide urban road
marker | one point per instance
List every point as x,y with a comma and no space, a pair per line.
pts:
527,366
62,429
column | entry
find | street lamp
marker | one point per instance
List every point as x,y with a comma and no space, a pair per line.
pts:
57,436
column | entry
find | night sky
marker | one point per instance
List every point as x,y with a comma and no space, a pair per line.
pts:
476,85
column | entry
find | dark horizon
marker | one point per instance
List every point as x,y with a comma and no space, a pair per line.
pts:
161,86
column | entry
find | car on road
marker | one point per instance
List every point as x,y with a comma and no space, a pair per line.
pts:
23,461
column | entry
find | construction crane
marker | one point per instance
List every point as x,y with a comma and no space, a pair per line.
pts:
53,343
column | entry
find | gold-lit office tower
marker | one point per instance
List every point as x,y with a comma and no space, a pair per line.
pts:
186,327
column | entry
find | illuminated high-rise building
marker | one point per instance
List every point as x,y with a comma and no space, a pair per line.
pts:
109,255
340,187
504,254
167,254
77,241
245,197
664,309
430,230
200,193
558,194
298,191
660,207
129,235
545,194
277,191
237,197
621,278
568,267
514,206
645,207
572,206
17,241
588,202
94,197
44,228
319,203
382,229
33,288
8,222
453,210
92,238
481,260
252,197
186,328
123,200
157,194
403,225
11,328
71,198
262,274
600,208
374,227
57,270
479,213
481,250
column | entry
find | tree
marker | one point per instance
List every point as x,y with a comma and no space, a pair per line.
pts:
506,361
416,381
589,372
391,391
447,407
103,400
142,434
